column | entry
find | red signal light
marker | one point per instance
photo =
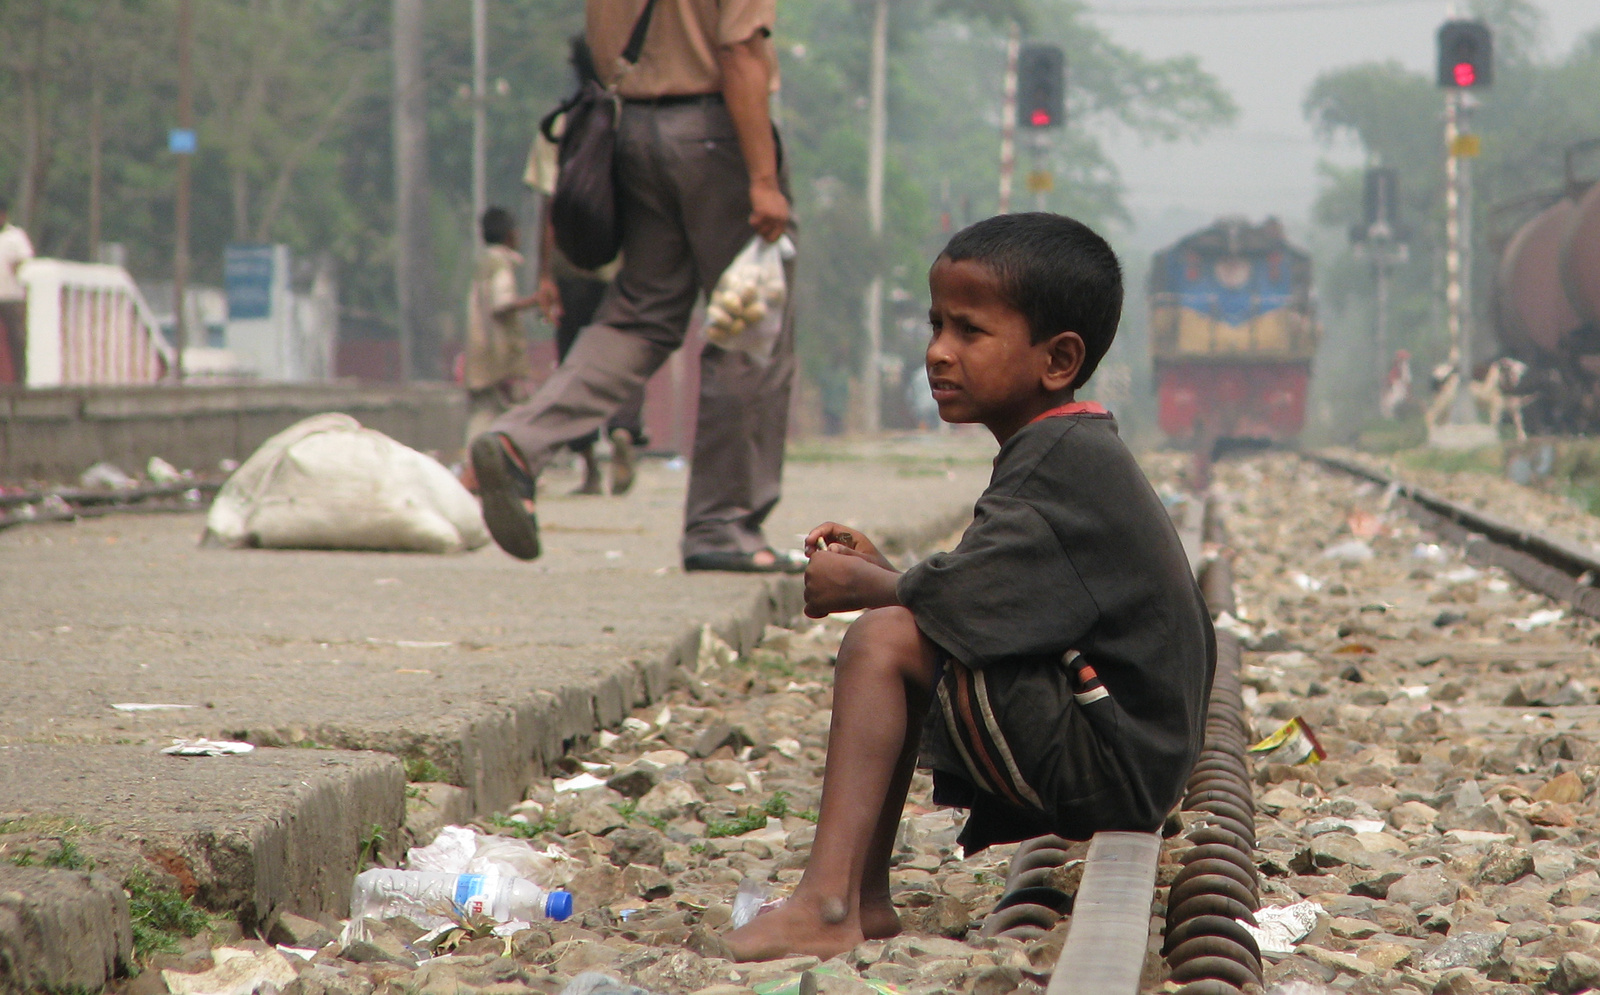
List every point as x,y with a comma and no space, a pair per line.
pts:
1040,118
1465,74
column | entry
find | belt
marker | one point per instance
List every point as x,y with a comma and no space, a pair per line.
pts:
675,100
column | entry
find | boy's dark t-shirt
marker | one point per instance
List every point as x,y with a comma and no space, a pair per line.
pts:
1070,549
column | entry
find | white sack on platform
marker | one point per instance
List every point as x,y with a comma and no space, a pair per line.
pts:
328,483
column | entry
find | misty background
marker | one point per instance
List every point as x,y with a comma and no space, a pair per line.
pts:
1180,111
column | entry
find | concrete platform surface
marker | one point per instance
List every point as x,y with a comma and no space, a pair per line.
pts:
485,666
61,930
480,663
255,834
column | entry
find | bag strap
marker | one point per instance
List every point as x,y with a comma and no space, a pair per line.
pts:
641,27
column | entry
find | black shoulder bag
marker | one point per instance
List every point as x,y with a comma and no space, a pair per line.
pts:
583,209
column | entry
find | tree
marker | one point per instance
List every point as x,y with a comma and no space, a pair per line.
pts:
1534,111
946,68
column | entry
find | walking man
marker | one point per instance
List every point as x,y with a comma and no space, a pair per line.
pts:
698,173
15,249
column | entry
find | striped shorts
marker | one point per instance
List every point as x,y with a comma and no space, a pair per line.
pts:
972,729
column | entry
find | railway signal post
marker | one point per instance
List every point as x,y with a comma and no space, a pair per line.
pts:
1378,239
1465,64
1041,99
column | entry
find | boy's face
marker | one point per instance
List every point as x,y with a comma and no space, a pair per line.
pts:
983,365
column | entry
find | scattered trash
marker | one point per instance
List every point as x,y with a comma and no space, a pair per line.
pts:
1292,743
714,651
412,644
462,850
1429,552
328,483
432,898
1306,582
1363,524
1349,551
237,972
1278,929
140,706
203,747
1538,620
676,464
595,983
639,727
161,472
1461,575
304,953
106,475
747,901
582,782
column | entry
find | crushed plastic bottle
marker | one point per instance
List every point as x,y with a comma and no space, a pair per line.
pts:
747,901
428,898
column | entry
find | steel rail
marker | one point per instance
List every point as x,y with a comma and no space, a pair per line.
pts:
1553,566
1108,945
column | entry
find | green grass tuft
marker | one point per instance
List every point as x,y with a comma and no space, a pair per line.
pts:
753,818
160,916
423,769
521,830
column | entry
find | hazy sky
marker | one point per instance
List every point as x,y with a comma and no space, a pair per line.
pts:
1265,163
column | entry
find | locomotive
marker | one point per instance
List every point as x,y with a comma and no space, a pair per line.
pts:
1545,301
1232,334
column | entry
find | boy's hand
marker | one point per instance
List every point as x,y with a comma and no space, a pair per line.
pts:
841,579
830,534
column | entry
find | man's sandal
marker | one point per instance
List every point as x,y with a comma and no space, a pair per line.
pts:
507,491
744,563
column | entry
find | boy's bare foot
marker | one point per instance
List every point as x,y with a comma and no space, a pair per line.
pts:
821,927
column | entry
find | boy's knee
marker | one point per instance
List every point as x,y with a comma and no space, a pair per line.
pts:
892,625
890,638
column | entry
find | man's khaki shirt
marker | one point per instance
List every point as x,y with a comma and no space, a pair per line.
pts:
680,50
496,351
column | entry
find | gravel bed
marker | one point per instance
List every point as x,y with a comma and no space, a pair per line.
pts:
711,789
1449,837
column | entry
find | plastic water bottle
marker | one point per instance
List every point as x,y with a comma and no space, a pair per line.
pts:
427,897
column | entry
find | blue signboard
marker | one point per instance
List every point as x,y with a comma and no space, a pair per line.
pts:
247,275
181,141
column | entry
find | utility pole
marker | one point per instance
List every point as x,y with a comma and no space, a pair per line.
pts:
185,150
414,276
97,100
877,137
1008,117
480,126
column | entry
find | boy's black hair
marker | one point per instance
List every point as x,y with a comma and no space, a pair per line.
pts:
497,224
1057,272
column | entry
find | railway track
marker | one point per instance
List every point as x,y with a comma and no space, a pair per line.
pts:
1445,657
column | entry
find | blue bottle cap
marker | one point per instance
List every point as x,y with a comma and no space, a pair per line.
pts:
558,905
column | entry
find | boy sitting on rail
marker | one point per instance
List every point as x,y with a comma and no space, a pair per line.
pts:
1055,666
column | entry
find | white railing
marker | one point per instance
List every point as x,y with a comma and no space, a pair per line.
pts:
88,324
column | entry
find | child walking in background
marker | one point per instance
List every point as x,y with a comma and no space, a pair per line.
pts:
1053,669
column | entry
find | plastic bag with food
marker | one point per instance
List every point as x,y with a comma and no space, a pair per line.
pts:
745,312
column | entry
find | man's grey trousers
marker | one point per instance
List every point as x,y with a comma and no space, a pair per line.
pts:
683,201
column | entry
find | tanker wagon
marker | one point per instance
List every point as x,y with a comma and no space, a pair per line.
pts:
1232,335
1546,301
